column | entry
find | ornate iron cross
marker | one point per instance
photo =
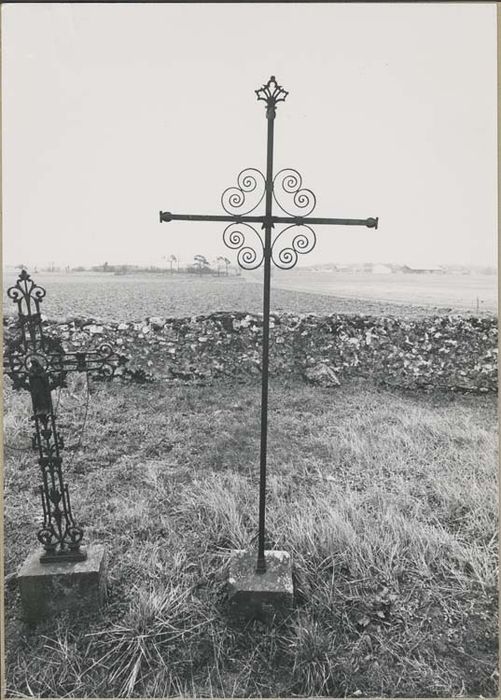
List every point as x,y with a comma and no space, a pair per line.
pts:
297,237
39,364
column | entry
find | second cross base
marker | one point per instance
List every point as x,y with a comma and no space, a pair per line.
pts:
261,596
48,589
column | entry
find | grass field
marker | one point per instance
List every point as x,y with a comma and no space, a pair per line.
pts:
387,502
135,297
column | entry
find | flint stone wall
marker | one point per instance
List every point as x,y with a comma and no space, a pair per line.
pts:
446,352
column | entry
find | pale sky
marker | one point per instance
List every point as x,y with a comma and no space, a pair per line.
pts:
112,112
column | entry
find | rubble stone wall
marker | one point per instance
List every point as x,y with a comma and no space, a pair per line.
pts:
446,352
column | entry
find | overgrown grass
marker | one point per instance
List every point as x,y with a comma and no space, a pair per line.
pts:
387,503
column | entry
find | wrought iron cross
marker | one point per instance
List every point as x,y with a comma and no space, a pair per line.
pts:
285,189
39,364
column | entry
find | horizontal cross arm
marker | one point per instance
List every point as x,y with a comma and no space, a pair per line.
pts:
297,220
168,216
87,360
300,221
103,359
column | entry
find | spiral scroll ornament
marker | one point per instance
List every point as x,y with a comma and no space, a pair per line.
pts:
235,201
73,534
249,256
107,361
292,199
303,241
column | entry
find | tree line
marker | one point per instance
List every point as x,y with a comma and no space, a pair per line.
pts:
200,265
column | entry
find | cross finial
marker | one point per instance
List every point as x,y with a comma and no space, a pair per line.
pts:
271,93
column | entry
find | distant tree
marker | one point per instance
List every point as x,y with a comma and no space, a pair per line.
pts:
225,261
172,259
105,267
201,263
21,267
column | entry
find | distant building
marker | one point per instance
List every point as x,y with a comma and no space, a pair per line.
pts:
422,269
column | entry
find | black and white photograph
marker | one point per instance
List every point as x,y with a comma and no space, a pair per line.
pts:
250,350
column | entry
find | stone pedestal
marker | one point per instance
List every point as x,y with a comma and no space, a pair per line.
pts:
47,589
261,596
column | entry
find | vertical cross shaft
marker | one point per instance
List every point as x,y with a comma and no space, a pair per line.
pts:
270,117
239,202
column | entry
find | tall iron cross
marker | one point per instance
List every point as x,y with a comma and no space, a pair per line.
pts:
39,363
297,237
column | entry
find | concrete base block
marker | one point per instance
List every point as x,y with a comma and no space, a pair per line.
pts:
261,596
48,589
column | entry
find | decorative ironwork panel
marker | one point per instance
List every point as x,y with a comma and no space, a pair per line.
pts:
27,296
59,533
